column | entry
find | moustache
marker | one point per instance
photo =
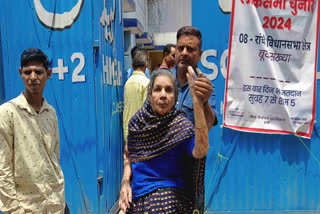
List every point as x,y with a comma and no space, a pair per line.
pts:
185,60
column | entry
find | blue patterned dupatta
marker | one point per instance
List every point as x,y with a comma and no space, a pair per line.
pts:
151,135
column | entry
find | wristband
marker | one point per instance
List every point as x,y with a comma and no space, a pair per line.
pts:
205,103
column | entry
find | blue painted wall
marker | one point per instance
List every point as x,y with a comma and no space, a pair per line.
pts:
2,92
87,96
253,173
109,93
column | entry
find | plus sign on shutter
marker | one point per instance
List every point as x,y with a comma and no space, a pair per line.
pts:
60,69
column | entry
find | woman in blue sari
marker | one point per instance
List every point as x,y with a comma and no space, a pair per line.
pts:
164,171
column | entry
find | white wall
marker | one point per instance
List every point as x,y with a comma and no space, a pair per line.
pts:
168,15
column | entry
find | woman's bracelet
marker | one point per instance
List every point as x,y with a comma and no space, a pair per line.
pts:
205,103
201,127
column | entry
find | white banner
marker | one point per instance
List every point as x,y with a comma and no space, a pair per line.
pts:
271,78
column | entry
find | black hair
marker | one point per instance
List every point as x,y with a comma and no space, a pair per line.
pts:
34,54
190,30
167,49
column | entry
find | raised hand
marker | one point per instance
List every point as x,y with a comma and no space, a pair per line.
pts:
192,80
203,87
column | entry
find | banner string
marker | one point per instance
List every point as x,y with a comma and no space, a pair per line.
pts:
308,150
215,164
300,139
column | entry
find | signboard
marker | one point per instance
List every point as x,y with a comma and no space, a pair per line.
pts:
271,79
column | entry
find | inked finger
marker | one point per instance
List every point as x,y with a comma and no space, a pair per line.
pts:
192,75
